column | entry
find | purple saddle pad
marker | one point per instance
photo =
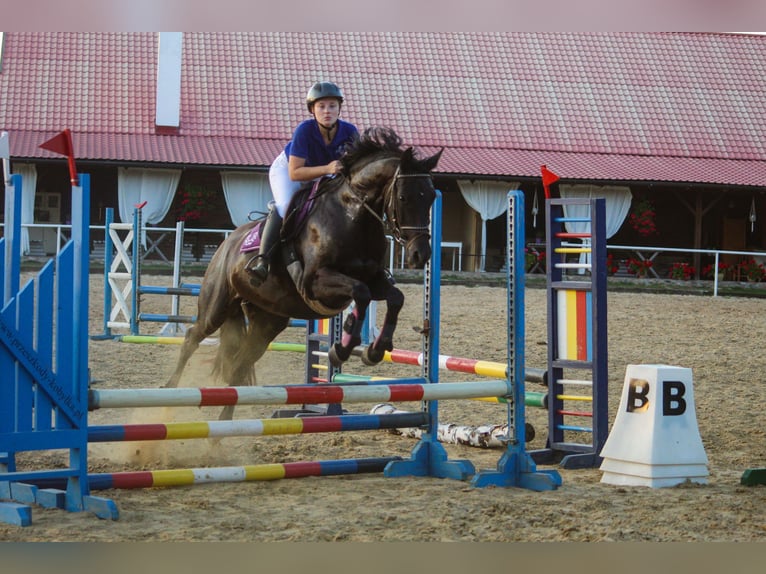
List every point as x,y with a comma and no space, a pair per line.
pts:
252,240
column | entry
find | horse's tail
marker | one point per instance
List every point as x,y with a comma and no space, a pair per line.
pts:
231,361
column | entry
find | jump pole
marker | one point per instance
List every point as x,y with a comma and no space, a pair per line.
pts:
209,475
460,364
255,427
407,390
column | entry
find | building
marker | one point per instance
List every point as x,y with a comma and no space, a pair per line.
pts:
673,118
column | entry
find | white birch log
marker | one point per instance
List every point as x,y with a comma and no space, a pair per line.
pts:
484,436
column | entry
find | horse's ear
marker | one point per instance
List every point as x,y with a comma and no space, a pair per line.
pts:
410,164
430,163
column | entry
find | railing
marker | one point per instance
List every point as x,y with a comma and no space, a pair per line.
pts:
653,252
157,236
195,249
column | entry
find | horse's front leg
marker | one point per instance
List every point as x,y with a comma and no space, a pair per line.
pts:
375,353
330,286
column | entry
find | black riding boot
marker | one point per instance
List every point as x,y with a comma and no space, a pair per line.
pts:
269,240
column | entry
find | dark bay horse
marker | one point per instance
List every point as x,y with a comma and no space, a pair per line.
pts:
339,255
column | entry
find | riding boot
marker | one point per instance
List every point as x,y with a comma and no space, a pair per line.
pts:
269,240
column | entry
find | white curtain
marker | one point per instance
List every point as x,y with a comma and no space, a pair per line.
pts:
618,199
28,173
245,192
490,200
155,186
617,204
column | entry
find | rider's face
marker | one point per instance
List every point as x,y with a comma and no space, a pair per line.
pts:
326,111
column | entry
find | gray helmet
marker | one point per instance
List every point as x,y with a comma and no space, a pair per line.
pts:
323,90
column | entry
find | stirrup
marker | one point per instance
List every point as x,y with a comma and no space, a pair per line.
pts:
259,269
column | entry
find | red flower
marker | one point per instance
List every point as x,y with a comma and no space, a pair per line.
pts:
642,218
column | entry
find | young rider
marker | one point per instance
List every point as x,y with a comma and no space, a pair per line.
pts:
313,152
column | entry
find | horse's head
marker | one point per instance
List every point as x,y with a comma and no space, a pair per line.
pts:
408,206
376,166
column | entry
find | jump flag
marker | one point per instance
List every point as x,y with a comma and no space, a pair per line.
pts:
655,440
549,178
62,144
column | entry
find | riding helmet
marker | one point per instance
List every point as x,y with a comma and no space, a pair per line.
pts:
323,90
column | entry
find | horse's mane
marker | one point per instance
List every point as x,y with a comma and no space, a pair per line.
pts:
373,140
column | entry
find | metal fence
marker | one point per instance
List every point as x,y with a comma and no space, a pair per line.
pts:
200,244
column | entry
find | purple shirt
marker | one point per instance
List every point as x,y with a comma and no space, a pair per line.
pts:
308,143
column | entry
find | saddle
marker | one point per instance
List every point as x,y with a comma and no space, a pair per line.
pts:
297,214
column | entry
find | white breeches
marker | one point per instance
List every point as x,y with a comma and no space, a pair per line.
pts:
282,187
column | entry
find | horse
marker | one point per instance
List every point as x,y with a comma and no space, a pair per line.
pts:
335,257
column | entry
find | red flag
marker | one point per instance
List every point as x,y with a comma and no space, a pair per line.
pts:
548,178
62,144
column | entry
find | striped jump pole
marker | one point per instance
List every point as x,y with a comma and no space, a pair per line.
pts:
256,427
531,398
205,475
406,390
460,365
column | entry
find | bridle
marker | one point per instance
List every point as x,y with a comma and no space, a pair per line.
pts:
391,214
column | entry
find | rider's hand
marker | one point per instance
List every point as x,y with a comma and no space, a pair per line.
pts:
334,167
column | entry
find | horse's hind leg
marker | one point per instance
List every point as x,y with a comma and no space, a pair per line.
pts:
212,309
194,336
242,345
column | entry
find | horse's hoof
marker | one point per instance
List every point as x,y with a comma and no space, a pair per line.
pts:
371,356
332,356
339,354
529,432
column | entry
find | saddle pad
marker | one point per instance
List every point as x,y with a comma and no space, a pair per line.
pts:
252,240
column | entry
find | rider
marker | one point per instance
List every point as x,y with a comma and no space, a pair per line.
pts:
312,152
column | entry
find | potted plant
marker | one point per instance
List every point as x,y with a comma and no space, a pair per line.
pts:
708,272
681,270
752,270
534,260
639,267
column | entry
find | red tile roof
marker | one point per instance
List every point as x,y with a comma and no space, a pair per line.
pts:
593,106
